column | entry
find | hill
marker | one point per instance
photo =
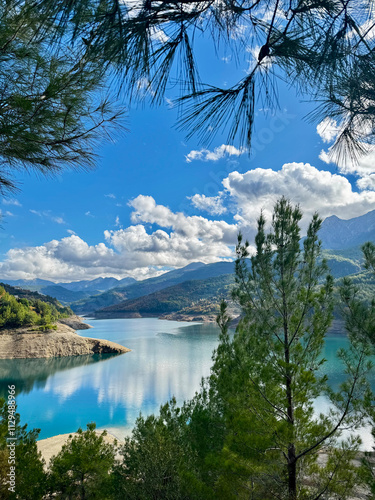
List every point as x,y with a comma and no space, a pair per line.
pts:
30,295
193,298
19,308
63,295
344,262
341,263
205,294
194,271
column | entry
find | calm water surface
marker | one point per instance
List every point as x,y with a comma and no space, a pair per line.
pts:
167,358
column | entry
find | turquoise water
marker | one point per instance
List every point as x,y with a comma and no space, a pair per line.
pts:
167,358
59,395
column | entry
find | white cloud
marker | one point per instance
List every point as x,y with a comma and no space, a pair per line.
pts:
70,231
89,214
169,102
117,221
180,239
110,195
313,189
47,214
11,201
367,182
58,220
215,155
364,166
127,252
146,210
328,129
159,36
36,212
211,204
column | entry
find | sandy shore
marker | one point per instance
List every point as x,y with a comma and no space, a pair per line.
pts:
51,446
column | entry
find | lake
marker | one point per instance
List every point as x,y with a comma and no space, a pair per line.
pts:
168,358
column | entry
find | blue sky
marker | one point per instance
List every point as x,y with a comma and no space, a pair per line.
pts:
158,201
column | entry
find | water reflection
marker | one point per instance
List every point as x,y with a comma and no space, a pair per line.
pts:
167,358
60,395
28,374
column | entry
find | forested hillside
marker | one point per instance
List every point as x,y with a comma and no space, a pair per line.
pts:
25,308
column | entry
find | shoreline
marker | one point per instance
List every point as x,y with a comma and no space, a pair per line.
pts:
26,343
51,446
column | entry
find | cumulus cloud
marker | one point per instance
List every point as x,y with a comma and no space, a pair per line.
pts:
313,189
363,166
127,252
146,210
367,182
217,154
211,204
179,239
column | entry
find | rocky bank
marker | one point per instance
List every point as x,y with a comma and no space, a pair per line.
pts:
64,341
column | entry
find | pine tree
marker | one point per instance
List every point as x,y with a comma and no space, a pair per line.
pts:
360,322
325,49
52,113
269,375
81,469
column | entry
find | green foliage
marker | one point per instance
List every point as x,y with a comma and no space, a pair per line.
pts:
369,255
30,476
322,48
16,312
152,459
251,431
33,296
82,468
51,112
360,323
269,374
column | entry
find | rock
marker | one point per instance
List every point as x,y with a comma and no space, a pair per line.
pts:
25,343
75,322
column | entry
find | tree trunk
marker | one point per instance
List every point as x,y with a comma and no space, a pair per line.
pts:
292,473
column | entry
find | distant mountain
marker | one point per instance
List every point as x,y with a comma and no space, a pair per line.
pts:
341,264
194,271
33,285
97,285
201,298
344,262
62,294
340,234
175,298
73,291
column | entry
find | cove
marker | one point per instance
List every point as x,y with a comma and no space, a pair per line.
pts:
167,358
